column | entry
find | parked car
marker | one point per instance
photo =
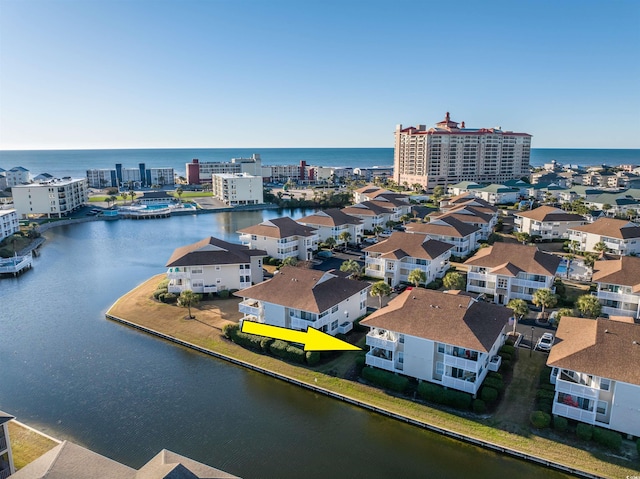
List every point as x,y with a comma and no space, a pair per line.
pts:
545,342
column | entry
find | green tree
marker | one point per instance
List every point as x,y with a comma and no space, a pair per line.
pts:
124,195
600,247
524,238
330,242
380,289
345,236
132,195
405,219
590,259
520,310
417,277
179,192
606,207
545,298
377,229
289,261
353,267
438,192
570,257
187,299
589,306
390,224
454,280
113,199
562,312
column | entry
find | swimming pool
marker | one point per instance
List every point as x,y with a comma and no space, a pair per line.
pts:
156,207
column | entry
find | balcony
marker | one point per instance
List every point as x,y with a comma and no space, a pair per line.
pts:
465,385
565,384
303,324
250,306
621,297
576,413
381,362
461,363
378,338
176,274
345,327
494,364
4,473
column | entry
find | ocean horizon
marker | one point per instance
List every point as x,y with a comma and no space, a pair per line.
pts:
74,163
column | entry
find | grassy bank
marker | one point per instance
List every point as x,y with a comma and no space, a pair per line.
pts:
506,429
27,445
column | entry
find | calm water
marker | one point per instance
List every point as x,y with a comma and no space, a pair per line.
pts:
77,376
76,162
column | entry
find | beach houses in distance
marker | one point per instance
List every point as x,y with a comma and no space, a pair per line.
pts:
447,339
281,238
393,259
510,271
595,373
212,265
297,298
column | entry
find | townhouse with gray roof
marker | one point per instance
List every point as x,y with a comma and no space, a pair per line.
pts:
393,259
508,271
595,373
212,265
446,339
298,298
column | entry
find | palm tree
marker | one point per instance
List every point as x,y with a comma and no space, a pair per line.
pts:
113,199
524,238
289,261
132,194
405,219
377,229
454,280
345,236
590,259
390,224
179,192
124,195
380,289
600,247
187,299
353,267
417,277
606,207
330,242
545,298
562,312
589,306
520,310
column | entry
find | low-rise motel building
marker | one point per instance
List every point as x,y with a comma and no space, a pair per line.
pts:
596,374
619,236
54,198
547,222
281,238
212,265
443,338
298,298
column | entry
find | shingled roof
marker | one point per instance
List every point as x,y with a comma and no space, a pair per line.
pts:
446,318
624,270
211,251
510,258
400,244
549,213
601,347
304,289
330,217
611,228
283,227
444,226
366,208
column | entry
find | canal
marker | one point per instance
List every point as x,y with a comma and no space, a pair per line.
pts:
68,371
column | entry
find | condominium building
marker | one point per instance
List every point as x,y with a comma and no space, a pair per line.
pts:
238,188
281,238
619,236
17,176
449,153
199,172
8,223
618,283
55,198
102,178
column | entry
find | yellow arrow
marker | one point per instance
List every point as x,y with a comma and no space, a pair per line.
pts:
312,339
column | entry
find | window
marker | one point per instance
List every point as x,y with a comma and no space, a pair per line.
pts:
605,384
502,283
440,348
601,408
334,325
334,309
439,368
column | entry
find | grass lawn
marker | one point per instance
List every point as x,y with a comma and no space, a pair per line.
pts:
193,194
575,290
509,427
98,199
27,445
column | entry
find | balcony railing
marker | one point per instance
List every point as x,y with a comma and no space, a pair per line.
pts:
249,306
459,384
384,340
345,327
4,473
494,364
623,298
3,443
574,413
461,363
569,387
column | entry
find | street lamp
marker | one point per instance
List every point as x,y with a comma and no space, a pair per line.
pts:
531,350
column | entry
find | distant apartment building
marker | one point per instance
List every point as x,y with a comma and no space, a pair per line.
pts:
127,178
200,172
17,176
547,222
55,198
449,153
8,223
238,188
102,178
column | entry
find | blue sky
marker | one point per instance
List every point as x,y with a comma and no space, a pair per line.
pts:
324,73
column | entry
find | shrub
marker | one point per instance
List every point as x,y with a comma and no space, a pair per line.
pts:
287,352
230,330
458,399
545,375
479,406
385,379
158,292
265,344
544,394
312,357
488,394
224,294
161,296
560,423
540,419
250,341
545,405
547,387
170,298
431,392
609,439
508,349
505,366
505,356
435,284
361,360
163,284
584,431
494,375
497,384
